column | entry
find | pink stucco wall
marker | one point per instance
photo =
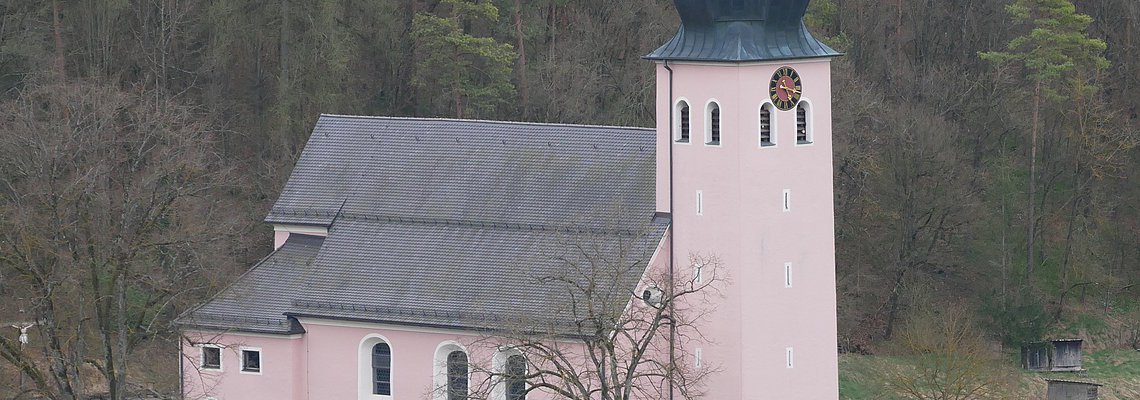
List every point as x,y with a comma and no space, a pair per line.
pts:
324,363
744,225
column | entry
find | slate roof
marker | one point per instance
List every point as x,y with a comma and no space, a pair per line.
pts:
741,30
450,223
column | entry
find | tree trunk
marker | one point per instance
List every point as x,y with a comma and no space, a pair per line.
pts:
119,368
522,59
1032,217
893,304
283,83
898,33
60,72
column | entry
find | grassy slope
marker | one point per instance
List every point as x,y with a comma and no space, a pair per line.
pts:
1117,369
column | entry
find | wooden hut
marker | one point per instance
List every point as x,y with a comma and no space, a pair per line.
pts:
1061,389
1067,355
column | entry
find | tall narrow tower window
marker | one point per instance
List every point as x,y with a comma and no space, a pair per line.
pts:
766,138
788,275
803,123
700,203
684,127
713,123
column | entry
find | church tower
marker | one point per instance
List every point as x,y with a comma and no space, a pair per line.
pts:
744,166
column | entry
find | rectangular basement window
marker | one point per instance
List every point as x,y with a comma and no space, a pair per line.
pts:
251,360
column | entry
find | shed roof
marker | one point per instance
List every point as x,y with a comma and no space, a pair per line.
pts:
450,223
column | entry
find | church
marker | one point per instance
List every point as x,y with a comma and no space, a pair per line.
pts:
404,246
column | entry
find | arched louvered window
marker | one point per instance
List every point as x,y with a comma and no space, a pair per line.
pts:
457,375
713,124
767,139
684,125
382,369
803,123
516,377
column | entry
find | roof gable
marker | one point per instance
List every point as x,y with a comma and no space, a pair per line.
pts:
463,170
452,223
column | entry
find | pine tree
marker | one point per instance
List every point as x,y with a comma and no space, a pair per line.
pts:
474,71
1054,54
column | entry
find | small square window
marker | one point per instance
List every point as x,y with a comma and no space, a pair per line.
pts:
211,357
250,360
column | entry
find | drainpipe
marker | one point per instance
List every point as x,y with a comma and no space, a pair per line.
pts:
672,234
181,371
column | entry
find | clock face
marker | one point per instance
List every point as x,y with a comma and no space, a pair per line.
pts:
785,88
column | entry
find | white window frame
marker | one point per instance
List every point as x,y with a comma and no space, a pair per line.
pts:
790,356
439,378
499,363
698,357
260,360
677,121
364,367
809,118
771,125
698,273
202,356
786,201
708,123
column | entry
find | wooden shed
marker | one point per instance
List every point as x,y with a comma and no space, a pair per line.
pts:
1067,355
1061,389
1035,356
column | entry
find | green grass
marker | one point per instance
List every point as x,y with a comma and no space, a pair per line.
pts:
1117,369
856,378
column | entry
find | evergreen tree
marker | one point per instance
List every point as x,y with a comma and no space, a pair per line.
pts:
473,72
1056,55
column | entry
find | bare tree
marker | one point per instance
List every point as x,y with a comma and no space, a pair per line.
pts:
945,357
617,346
105,219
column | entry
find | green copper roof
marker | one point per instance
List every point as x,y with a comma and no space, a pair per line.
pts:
741,30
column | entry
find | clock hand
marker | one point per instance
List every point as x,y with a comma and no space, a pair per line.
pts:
793,90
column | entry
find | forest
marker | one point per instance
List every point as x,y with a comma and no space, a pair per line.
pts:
984,155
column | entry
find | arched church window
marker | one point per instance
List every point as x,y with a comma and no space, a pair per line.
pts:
713,124
382,369
803,121
457,375
516,377
684,127
766,128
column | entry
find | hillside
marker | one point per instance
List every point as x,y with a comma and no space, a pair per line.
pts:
984,155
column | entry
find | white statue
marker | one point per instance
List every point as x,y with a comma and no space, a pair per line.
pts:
23,332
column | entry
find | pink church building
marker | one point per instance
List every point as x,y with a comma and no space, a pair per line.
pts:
404,246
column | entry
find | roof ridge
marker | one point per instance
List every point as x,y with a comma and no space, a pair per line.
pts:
487,121
488,224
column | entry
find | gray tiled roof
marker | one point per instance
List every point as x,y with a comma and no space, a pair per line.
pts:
741,30
450,223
